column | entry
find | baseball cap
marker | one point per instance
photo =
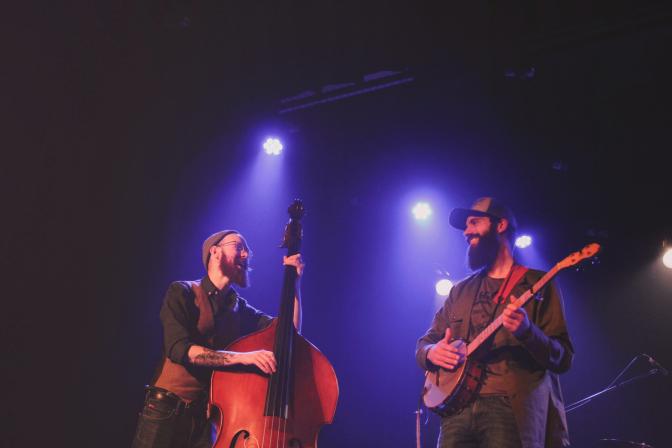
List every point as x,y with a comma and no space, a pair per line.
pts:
486,206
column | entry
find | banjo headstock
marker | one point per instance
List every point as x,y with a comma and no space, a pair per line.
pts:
575,258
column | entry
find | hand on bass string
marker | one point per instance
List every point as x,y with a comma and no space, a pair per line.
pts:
296,261
446,353
263,359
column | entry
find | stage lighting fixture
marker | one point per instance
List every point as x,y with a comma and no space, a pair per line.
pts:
422,211
443,287
523,241
273,146
667,258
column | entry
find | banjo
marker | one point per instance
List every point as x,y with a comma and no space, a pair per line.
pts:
448,392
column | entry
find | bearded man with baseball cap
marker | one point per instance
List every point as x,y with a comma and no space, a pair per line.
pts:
519,402
200,318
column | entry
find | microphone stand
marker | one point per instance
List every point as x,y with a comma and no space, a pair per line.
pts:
613,385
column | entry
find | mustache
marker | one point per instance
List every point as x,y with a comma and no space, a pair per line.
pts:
247,267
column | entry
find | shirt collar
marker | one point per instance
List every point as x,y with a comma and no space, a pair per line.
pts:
208,286
218,299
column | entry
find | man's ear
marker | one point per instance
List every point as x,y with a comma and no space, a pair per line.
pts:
502,225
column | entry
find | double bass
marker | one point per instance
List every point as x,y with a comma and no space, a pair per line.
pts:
287,408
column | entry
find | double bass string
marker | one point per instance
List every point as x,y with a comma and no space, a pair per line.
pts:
288,347
279,381
278,395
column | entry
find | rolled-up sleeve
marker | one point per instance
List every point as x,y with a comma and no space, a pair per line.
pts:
175,318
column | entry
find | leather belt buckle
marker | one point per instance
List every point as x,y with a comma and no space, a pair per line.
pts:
176,402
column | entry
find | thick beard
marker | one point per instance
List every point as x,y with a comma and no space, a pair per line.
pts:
237,275
484,253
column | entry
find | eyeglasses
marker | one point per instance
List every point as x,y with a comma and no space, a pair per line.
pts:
239,247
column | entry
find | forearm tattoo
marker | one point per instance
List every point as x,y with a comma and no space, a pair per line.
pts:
212,358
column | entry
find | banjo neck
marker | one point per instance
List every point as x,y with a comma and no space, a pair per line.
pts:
574,258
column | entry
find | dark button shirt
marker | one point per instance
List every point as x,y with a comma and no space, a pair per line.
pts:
234,318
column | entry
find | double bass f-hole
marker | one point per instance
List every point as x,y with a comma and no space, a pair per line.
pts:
245,435
250,442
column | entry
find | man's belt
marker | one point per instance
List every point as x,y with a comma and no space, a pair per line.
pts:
179,405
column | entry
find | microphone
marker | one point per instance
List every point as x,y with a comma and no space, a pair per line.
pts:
655,364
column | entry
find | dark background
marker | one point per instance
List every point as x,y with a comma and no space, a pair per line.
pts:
133,131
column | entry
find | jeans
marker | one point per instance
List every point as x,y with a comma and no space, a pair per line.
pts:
161,426
487,423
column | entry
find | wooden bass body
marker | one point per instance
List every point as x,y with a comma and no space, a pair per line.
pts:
240,392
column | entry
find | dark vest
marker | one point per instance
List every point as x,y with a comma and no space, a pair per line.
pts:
190,383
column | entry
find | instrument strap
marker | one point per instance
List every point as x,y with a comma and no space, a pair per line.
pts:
515,274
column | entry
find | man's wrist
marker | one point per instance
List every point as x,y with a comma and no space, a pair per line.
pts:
428,362
525,334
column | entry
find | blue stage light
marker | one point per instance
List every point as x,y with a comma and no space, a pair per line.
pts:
273,146
422,211
443,287
523,241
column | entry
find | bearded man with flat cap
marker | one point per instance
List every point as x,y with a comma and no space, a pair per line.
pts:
200,318
519,403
